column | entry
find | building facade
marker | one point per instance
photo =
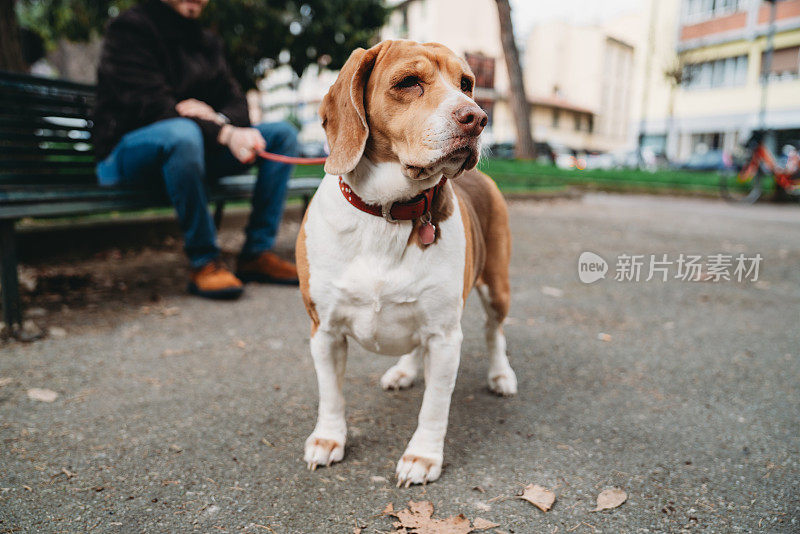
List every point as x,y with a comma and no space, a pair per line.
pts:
578,78
580,81
719,66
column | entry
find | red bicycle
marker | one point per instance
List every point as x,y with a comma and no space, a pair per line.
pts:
762,174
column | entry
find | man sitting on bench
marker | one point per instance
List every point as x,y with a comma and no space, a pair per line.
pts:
168,109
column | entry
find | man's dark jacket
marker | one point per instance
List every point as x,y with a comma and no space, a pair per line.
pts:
152,59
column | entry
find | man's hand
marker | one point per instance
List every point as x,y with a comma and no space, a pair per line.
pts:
192,107
242,142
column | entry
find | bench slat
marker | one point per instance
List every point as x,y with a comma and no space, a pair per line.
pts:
29,138
44,165
97,200
27,112
44,94
40,150
11,180
45,123
26,80
46,98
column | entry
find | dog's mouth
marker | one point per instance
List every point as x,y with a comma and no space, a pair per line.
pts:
460,156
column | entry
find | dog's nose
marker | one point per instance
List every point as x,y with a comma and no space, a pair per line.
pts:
471,118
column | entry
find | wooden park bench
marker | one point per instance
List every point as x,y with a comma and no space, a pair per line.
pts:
47,170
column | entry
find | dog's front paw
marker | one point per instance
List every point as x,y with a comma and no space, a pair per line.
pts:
398,377
323,451
418,469
503,383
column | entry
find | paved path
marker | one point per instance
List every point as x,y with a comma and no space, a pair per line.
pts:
180,414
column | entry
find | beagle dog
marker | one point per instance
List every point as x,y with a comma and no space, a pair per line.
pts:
391,244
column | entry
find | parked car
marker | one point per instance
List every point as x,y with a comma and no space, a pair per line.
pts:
563,156
545,153
312,149
626,159
501,151
600,161
711,160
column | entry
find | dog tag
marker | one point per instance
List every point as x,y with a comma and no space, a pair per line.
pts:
427,233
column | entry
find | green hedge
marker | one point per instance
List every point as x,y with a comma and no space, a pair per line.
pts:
514,175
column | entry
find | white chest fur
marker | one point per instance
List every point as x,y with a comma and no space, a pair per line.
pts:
367,282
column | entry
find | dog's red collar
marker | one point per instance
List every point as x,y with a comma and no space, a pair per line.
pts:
407,210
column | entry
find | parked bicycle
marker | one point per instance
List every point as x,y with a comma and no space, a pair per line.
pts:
762,174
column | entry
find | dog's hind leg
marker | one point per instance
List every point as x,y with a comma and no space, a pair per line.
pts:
501,377
402,374
326,444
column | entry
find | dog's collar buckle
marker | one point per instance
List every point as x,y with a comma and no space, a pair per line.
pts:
386,212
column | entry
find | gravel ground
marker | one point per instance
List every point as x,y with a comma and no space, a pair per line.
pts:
176,414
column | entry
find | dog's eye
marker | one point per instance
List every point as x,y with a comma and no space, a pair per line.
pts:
410,82
466,84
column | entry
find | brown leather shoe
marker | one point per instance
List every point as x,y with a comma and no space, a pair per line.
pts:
214,281
267,268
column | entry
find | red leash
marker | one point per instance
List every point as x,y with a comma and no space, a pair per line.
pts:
289,159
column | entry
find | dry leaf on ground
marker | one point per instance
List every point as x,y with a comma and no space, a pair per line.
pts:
552,292
539,496
610,498
44,395
483,524
418,519
57,331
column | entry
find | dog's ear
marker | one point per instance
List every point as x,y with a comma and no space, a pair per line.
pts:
342,111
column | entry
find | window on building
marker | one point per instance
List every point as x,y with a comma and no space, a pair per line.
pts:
591,124
741,70
785,63
556,117
699,10
483,68
726,72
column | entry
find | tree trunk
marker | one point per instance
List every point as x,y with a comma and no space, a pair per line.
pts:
520,107
10,45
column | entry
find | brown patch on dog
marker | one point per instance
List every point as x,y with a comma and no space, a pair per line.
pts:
301,260
343,114
485,207
471,265
366,113
427,463
441,210
326,444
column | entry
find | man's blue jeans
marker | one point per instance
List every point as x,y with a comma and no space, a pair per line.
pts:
172,150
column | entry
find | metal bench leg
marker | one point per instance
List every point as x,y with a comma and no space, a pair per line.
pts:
218,213
306,202
12,309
